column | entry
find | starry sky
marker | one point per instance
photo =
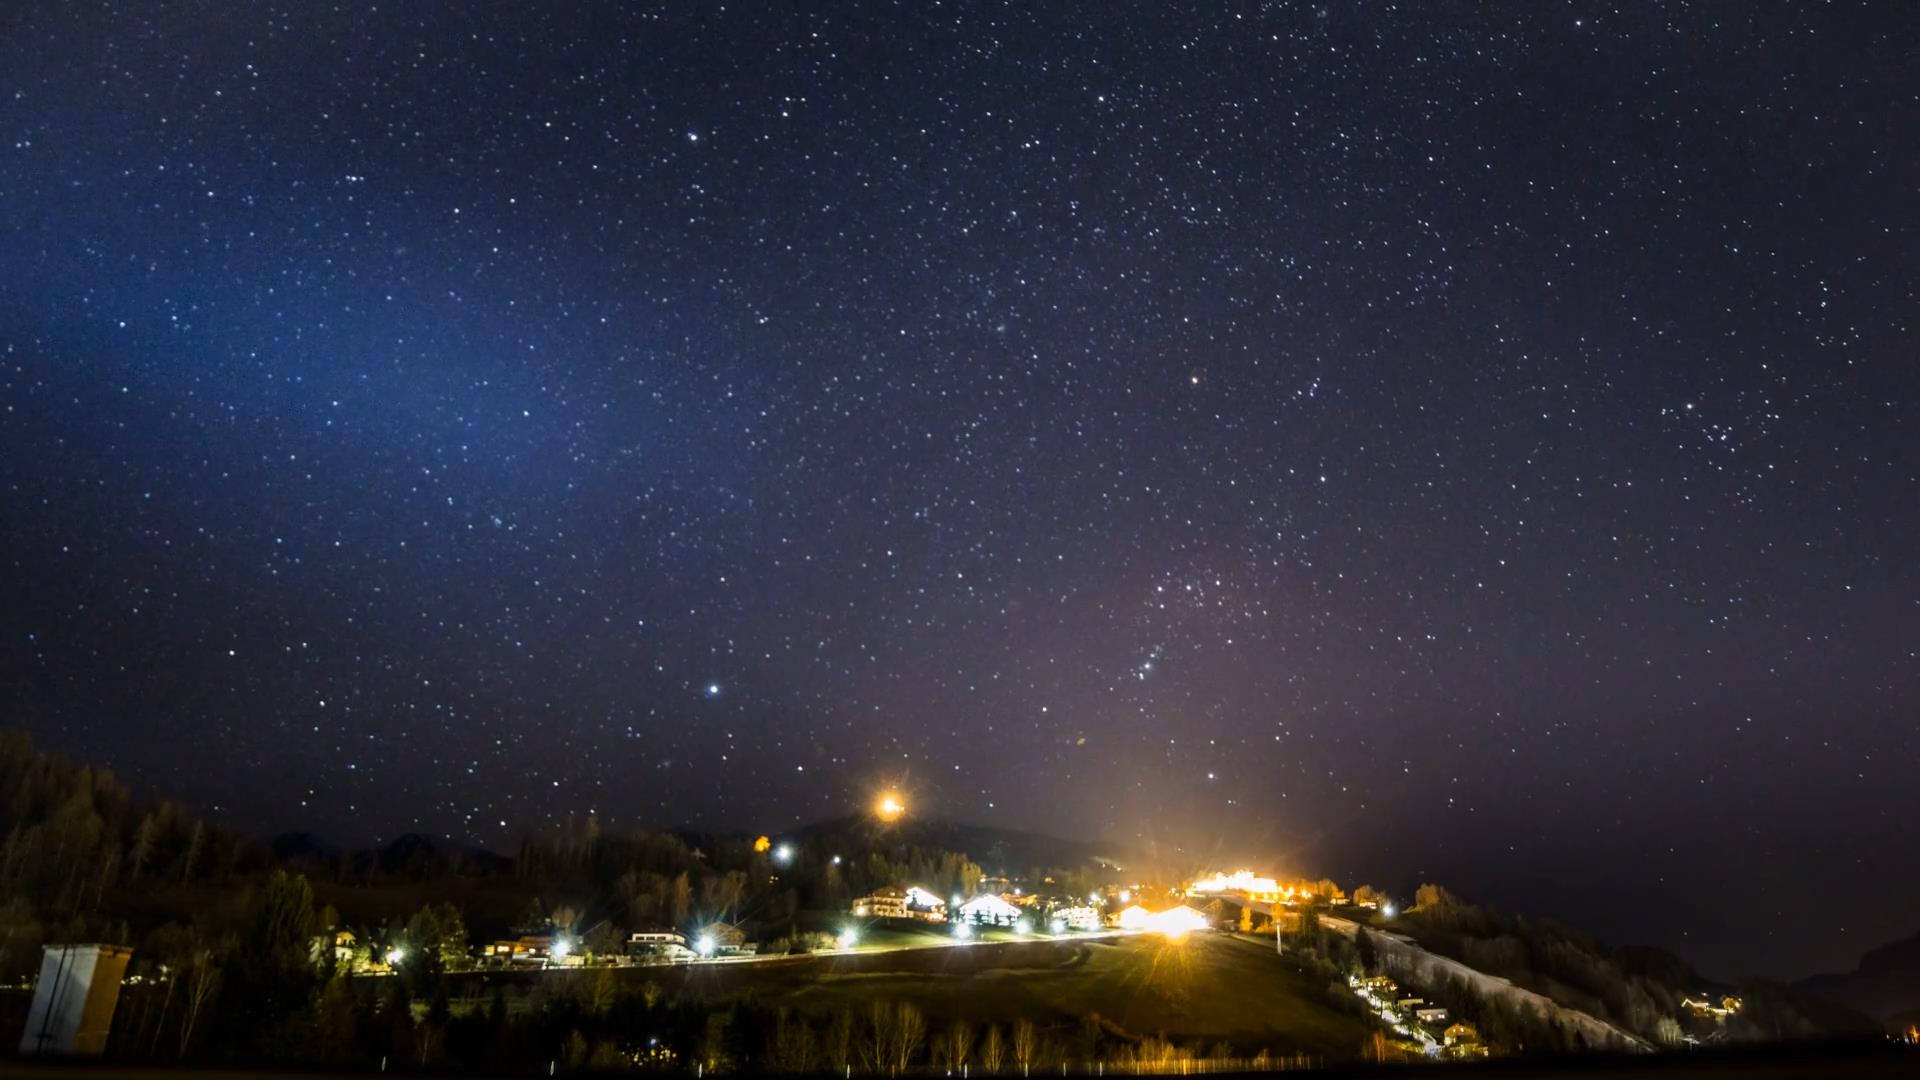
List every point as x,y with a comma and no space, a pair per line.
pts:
1392,441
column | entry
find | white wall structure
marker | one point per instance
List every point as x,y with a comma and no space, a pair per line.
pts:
74,999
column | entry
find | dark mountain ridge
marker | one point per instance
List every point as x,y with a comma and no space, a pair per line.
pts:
1885,984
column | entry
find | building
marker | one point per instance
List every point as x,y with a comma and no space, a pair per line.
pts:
658,945
1431,1015
922,904
1381,987
887,903
1078,917
722,939
527,949
1460,1033
73,1001
892,902
988,909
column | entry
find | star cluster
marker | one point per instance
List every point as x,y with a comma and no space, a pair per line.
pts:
1418,442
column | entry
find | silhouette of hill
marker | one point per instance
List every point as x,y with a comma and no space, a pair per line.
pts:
1885,984
998,851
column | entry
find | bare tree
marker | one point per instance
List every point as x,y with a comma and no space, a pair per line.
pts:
876,1042
959,1043
909,1031
1026,1045
993,1050
193,850
202,981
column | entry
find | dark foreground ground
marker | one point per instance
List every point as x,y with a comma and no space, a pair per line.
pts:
1843,1062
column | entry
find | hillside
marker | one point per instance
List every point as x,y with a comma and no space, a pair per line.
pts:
1009,852
1884,985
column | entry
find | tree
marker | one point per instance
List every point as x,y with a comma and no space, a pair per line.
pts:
680,899
993,1050
909,1031
1025,1045
837,1047
1364,894
271,972
1363,947
959,1044
202,980
193,850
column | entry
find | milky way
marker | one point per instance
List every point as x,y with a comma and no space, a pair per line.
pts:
1393,442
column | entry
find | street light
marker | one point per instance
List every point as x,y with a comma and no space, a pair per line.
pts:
783,854
395,955
849,938
705,945
561,949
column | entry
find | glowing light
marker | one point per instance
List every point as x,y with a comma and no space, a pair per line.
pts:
1174,922
1126,896
561,949
705,945
1093,898
1057,926
889,808
1020,927
849,938
962,930
783,854
1386,910
1243,881
762,844
395,955
713,689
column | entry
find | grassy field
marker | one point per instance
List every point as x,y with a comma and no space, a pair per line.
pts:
1207,987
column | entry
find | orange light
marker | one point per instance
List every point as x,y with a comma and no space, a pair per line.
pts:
889,808
762,844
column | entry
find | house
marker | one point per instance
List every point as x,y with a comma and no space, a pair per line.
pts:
892,902
922,904
1381,987
526,949
988,909
1460,1033
887,903
1408,1004
338,944
658,945
1078,917
722,939
1431,1015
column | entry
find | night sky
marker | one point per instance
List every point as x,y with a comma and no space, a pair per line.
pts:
1396,442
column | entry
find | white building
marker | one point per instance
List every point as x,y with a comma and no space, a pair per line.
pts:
1079,917
990,909
73,1001
912,902
658,945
